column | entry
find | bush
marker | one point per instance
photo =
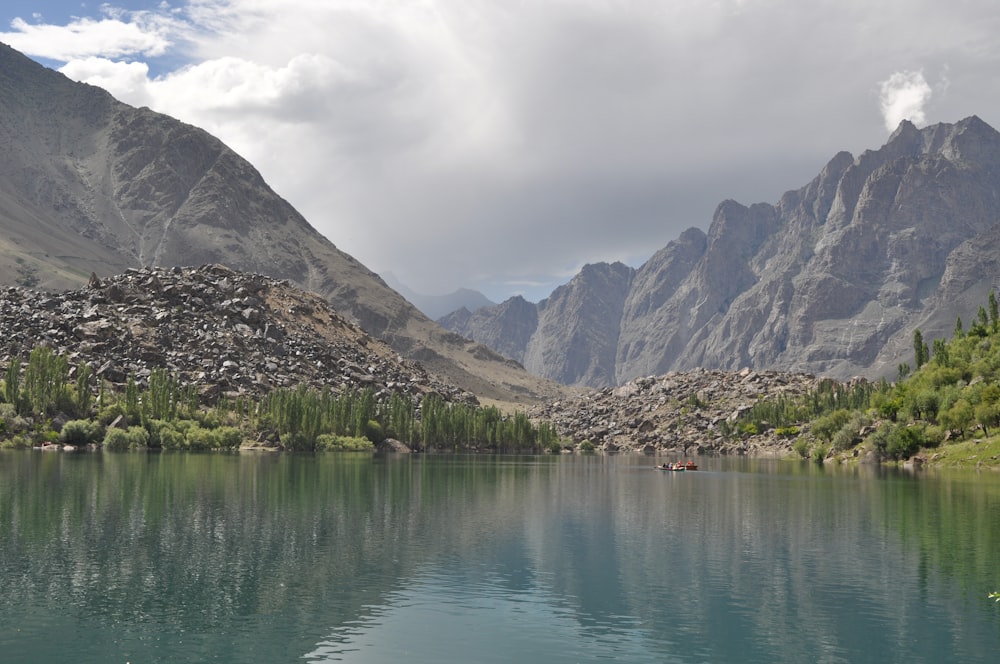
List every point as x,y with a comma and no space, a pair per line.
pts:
374,432
79,432
879,439
296,441
138,438
16,443
904,442
228,438
108,414
198,439
328,442
555,448
819,453
116,440
827,425
586,446
801,447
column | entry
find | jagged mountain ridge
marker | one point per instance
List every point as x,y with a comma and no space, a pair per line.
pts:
89,184
832,280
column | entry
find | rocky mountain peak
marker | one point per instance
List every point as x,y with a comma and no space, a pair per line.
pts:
832,280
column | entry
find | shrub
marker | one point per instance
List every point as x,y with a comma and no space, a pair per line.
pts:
879,439
296,441
228,438
933,436
586,446
79,432
108,414
801,447
329,442
555,448
787,432
819,453
374,432
849,434
116,440
904,442
138,437
827,425
199,439
16,443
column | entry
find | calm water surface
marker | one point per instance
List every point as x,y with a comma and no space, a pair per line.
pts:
352,558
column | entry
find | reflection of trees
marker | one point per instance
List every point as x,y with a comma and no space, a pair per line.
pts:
197,546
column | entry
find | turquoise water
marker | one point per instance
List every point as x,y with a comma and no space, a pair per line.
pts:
353,558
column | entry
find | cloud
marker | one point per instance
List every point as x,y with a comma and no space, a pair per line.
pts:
903,96
124,80
495,144
117,35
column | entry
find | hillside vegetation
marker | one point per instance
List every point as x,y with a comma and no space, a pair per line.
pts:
945,409
50,404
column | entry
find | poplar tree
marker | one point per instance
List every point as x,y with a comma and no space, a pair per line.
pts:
920,349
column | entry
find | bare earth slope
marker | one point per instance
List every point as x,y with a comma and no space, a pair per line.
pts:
88,184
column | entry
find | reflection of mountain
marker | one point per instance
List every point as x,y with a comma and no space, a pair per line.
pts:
244,558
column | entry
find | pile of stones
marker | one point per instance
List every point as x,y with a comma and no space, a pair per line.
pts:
681,412
230,333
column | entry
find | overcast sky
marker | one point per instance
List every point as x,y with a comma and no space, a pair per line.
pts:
502,144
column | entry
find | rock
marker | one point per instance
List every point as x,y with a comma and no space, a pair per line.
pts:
187,322
670,421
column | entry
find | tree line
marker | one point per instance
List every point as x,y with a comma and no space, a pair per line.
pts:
47,399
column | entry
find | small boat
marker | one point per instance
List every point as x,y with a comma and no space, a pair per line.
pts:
690,465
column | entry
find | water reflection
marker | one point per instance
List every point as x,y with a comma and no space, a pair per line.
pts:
352,558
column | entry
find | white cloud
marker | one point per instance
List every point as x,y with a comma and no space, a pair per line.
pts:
903,96
487,142
124,80
139,33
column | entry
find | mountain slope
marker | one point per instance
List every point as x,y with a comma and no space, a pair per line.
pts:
88,184
832,280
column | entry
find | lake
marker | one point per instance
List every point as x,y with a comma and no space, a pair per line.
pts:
139,558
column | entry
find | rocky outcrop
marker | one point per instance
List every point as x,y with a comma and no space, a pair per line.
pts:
507,327
570,337
227,332
832,280
679,412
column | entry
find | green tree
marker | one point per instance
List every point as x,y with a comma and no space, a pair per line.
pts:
994,312
920,350
958,417
12,384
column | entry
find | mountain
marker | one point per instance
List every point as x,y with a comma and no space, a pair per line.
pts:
832,280
89,184
437,306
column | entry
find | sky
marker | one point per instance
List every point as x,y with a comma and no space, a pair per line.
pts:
500,145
